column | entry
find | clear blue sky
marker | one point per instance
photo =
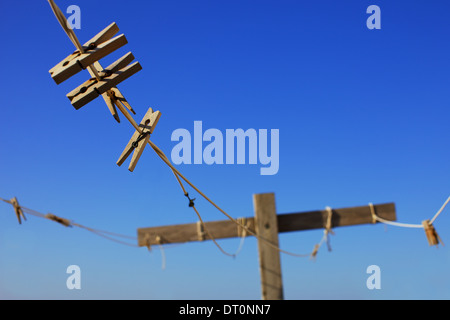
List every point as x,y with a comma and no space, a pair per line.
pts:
363,117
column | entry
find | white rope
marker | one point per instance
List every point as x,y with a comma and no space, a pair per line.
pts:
392,223
326,235
406,225
328,229
440,211
242,233
398,224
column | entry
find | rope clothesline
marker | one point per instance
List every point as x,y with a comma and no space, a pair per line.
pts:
112,235
105,234
432,236
440,211
180,178
407,225
164,158
326,235
92,68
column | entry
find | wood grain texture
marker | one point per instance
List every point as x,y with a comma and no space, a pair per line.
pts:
432,236
103,36
189,232
286,223
269,257
147,125
92,88
341,218
116,66
78,61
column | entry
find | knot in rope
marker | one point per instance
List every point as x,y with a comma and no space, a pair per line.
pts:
191,201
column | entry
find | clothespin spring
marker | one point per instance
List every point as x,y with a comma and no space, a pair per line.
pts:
142,136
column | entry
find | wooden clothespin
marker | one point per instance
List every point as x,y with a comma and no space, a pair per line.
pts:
313,255
95,49
140,139
86,56
109,78
59,220
432,236
18,210
114,97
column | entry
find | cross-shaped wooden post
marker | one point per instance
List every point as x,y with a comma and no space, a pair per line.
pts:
267,225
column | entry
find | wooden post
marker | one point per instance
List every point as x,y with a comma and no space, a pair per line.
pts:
269,258
287,222
268,225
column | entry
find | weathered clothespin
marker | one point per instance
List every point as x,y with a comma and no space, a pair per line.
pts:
18,210
114,97
95,49
315,252
432,236
109,78
103,81
140,139
59,220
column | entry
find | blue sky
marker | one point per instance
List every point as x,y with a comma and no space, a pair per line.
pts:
363,117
